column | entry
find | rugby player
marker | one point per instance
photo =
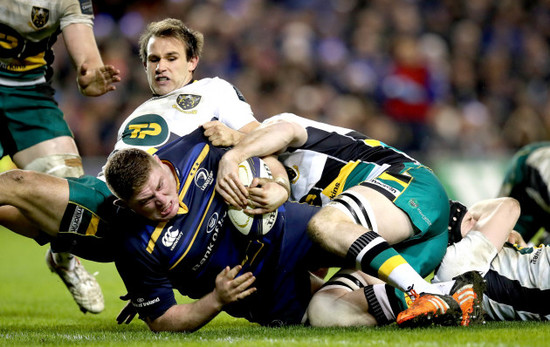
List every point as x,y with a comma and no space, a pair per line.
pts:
518,278
374,196
187,243
35,133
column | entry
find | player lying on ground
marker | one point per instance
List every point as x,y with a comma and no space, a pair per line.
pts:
384,212
518,278
186,243
74,213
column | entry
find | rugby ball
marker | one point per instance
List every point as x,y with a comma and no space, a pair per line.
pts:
253,226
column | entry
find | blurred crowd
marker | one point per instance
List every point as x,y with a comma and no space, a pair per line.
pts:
430,77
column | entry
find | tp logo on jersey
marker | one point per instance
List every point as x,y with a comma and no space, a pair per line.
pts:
39,16
188,101
147,130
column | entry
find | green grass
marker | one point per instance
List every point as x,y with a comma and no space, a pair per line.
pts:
36,309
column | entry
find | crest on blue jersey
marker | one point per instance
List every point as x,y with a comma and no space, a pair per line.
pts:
188,101
39,16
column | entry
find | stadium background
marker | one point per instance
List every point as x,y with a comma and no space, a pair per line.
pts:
460,85
470,81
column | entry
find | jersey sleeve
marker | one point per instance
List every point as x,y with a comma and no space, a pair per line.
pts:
77,11
233,110
150,291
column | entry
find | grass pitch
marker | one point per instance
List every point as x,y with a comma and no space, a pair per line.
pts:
36,309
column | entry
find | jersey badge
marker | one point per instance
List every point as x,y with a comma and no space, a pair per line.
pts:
293,173
171,237
203,178
188,101
39,16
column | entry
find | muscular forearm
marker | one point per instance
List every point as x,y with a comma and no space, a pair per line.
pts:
81,45
272,139
187,317
190,317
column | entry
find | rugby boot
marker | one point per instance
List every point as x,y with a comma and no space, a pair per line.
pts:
468,292
83,287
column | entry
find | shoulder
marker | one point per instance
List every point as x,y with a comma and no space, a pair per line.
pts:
75,12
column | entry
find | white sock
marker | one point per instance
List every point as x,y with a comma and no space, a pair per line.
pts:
445,287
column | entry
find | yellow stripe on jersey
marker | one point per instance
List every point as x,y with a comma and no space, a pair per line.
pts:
194,170
196,232
93,225
35,62
389,265
155,236
373,143
389,177
337,185
182,208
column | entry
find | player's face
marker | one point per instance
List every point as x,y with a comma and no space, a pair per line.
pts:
158,200
167,66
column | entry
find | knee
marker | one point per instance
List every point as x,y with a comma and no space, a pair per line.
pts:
60,165
15,177
331,309
321,225
18,180
321,313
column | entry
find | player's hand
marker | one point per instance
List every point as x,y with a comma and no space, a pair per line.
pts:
230,287
97,81
228,183
128,312
220,134
265,196
515,238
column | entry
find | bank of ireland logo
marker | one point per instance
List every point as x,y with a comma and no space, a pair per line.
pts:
188,101
147,130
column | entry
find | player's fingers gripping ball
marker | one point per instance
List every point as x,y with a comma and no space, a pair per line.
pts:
253,226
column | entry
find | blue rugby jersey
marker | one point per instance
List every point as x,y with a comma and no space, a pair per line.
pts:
188,252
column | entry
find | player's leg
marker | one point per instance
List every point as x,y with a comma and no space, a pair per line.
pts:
12,219
42,141
34,199
341,302
366,243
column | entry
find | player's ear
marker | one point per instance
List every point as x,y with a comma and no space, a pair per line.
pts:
157,159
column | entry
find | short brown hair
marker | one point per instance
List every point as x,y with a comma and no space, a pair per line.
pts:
127,171
171,27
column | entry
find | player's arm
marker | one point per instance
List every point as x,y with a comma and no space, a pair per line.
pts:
190,317
222,135
495,218
266,140
93,77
